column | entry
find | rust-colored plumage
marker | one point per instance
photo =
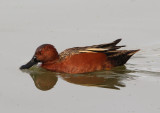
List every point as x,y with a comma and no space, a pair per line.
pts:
81,59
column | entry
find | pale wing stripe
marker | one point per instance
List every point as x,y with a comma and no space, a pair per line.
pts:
86,51
97,49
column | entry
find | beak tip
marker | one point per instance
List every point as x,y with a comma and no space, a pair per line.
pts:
22,67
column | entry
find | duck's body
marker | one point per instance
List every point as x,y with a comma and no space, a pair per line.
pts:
81,59
79,63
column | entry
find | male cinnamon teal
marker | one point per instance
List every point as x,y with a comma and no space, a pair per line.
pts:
80,59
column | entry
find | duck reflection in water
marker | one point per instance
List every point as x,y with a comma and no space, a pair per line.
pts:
113,79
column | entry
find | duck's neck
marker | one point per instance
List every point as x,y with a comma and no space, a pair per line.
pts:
52,65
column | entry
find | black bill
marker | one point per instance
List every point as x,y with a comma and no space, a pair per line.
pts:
32,62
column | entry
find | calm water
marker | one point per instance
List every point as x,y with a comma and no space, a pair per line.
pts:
133,88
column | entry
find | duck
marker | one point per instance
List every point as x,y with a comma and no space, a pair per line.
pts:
80,59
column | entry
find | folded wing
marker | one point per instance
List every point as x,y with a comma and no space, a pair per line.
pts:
110,49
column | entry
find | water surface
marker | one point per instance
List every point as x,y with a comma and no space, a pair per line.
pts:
133,88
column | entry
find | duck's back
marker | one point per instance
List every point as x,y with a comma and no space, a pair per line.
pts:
101,48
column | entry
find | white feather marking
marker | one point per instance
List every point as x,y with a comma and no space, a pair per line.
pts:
97,49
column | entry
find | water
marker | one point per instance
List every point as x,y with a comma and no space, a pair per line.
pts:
133,88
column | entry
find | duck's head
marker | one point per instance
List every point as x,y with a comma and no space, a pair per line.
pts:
44,53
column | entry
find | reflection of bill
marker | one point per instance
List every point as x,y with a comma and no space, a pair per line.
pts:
45,80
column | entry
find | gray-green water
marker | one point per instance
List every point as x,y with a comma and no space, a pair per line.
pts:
133,88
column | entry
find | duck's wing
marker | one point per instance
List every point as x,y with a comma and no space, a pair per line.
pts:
108,46
103,48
